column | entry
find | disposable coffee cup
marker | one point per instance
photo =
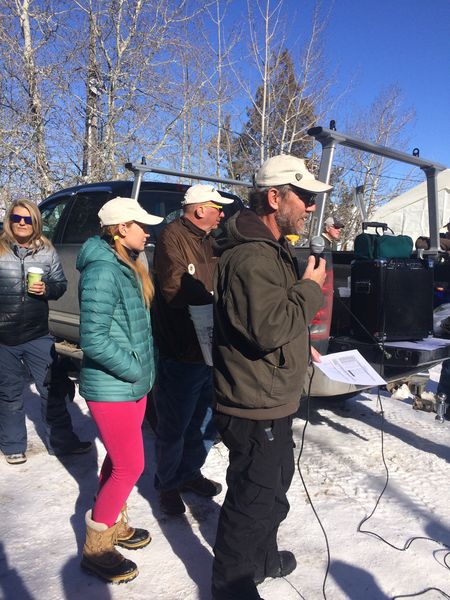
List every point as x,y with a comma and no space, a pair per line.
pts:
34,275
202,317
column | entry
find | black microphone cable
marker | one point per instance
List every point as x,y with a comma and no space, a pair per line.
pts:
308,404
386,483
411,540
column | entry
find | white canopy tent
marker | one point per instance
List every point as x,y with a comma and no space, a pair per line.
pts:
408,213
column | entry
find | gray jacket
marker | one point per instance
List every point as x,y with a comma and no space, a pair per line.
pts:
24,316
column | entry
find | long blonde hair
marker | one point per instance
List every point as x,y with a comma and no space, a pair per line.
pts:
142,274
37,239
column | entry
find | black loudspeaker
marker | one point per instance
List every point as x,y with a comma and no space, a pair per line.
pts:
391,299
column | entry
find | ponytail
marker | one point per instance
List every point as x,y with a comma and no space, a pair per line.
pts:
110,233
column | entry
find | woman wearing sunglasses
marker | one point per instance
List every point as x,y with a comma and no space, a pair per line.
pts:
25,343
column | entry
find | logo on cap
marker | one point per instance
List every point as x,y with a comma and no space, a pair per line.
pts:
298,176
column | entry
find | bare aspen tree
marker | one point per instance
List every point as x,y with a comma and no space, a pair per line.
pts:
116,38
216,69
204,91
313,86
384,123
35,103
188,96
292,88
27,31
91,145
266,57
126,112
220,54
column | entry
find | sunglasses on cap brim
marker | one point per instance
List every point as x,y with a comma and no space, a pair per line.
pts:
18,218
214,205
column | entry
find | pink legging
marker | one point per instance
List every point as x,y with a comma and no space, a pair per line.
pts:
120,428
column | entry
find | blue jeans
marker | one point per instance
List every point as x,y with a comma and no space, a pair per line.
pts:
37,356
183,396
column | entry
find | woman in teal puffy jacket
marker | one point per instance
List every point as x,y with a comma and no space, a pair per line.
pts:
117,373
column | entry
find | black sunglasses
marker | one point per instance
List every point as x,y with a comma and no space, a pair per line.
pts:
307,199
18,218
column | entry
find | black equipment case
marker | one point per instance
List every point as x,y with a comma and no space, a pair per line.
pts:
391,299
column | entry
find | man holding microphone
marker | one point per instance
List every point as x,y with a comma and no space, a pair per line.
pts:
261,352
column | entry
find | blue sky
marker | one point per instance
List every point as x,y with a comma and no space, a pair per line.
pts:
403,42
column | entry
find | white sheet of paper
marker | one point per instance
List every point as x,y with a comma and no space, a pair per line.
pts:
349,367
430,343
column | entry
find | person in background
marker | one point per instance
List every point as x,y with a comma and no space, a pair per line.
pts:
117,372
444,379
423,242
446,235
332,233
444,383
26,347
184,264
260,354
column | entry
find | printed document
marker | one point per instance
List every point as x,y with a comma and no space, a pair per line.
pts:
349,367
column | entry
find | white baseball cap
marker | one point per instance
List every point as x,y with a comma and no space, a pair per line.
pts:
200,192
286,169
121,210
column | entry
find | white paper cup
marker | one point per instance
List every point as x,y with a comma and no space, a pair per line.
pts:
34,275
202,317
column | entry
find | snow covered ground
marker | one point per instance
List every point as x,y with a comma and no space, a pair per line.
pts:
44,500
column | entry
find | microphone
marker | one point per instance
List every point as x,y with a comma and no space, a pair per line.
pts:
317,246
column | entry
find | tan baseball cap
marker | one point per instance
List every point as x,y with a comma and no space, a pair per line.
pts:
286,169
121,210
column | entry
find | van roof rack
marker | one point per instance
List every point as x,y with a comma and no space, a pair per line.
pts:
139,169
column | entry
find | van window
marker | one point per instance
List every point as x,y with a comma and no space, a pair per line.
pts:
83,221
51,215
162,203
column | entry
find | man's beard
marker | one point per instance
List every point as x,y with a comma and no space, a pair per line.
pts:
287,224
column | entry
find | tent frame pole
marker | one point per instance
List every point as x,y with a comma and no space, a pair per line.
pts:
329,138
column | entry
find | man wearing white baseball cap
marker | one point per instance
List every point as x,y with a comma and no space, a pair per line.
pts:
285,169
261,353
184,264
332,232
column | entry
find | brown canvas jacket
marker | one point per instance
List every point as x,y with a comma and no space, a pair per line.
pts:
184,264
261,319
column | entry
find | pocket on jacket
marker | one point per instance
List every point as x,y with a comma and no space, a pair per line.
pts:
277,369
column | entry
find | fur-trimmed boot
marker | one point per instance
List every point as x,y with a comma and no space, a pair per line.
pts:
130,537
100,556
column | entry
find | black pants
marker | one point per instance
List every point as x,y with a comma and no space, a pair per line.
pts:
258,477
